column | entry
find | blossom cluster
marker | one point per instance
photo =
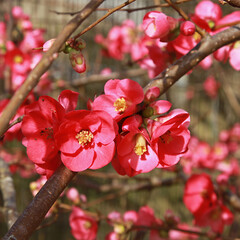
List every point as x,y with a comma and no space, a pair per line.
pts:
119,127
84,225
219,157
161,39
20,54
202,201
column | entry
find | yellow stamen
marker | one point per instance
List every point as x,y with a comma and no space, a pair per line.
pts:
120,105
140,147
18,59
87,224
84,137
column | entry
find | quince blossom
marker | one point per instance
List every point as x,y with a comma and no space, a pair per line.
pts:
120,99
83,226
86,139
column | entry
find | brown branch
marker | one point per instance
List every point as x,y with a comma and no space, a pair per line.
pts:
44,64
38,208
205,47
8,194
153,183
99,77
185,16
111,11
234,3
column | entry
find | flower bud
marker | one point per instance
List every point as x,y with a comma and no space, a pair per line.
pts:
187,28
77,61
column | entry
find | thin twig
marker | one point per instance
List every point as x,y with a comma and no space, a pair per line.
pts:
111,11
129,10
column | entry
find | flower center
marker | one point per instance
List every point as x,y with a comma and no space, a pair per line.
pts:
84,137
120,105
18,59
166,138
87,225
140,147
47,132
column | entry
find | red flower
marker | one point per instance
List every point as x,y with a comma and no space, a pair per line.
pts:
83,226
39,124
120,99
86,139
134,153
199,193
170,136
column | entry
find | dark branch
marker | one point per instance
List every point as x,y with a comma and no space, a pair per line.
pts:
38,208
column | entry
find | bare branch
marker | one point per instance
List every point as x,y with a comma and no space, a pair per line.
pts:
99,77
38,208
234,3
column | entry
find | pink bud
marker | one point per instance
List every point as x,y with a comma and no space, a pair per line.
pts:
73,195
77,61
152,94
187,28
17,12
158,25
48,44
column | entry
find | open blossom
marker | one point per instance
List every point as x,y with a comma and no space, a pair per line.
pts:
120,99
39,124
83,226
86,139
201,199
170,136
134,153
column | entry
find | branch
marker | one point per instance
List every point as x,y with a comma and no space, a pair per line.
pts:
38,208
234,3
8,194
43,65
205,47
99,77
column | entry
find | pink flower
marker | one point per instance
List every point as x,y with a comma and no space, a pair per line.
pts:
211,86
215,216
86,139
83,226
18,61
120,99
77,61
199,193
170,136
208,10
39,124
158,25
134,153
